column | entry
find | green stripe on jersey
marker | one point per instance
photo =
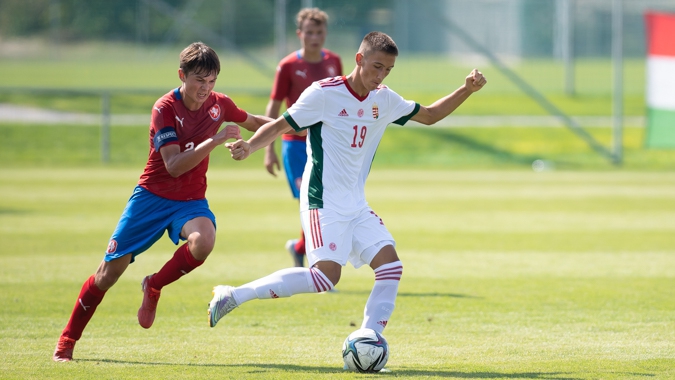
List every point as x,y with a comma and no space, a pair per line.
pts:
404,119
292,122
315,189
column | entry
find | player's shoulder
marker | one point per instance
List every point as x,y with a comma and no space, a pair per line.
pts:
333,82
383,90
167,100
329,54
290,59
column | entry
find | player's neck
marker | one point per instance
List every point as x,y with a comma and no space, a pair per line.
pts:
188,102
311,56
356,84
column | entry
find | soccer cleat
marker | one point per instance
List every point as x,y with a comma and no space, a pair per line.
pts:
298,258
222,303
64,349
146,313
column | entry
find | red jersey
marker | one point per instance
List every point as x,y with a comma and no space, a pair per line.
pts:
171,124
294,75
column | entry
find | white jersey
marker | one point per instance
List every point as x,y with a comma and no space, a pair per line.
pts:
344,131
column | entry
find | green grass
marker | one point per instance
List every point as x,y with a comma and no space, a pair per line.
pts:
448,148
508,274
139,75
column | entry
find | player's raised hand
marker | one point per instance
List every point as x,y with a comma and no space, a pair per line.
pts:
475,80
239,149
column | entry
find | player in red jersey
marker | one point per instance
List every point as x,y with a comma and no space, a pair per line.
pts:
170,195
294,74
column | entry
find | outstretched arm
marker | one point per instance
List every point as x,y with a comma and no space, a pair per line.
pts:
271,160
241,149
254,122
177,162
445,106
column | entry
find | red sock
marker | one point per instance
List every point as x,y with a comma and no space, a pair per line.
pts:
300,245
180,264
90,297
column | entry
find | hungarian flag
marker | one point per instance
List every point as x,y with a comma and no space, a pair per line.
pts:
660,80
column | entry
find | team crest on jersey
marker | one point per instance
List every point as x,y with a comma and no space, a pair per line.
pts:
332,246
331,71
112,246
214,112
376,111
360,113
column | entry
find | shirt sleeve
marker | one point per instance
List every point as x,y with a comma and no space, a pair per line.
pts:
162,126
402,109
282,82
231,111
308,110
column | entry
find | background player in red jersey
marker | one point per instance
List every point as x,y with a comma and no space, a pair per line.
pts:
170,195
294,74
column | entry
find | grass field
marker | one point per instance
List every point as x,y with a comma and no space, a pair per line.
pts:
508,274
130,69
450,148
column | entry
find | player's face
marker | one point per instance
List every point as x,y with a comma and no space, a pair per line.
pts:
312,35
375,67
196,88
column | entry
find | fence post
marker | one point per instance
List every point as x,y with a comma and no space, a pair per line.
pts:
617,83
105,127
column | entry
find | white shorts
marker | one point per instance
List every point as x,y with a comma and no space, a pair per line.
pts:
357,238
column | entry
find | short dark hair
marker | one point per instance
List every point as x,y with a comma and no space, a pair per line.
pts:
198,58
378,41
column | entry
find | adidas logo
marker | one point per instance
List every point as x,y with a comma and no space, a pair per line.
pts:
274,295
343,113
382,323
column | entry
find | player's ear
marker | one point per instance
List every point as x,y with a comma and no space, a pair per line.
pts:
359,58
181,75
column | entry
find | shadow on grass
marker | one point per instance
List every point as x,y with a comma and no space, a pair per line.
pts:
7,211
393,373
403,294
498,154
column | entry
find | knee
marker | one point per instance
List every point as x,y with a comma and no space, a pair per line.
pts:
331,270
201,244
334,278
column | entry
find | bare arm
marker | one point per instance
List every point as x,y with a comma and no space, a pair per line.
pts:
254,122
241,149
178,163
445,106
271,160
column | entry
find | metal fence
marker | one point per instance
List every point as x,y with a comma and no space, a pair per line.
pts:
502,32
514,28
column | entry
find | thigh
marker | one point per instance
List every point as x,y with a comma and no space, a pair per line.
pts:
143,221
370,236
328,236
187,212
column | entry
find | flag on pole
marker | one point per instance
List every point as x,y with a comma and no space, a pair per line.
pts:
660,80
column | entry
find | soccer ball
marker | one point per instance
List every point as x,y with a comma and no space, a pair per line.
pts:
365,350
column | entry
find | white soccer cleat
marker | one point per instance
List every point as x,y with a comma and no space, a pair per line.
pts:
221,304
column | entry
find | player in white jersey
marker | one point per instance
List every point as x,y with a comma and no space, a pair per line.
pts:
345,118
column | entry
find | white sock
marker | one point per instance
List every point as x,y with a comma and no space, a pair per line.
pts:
380,304
283,283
